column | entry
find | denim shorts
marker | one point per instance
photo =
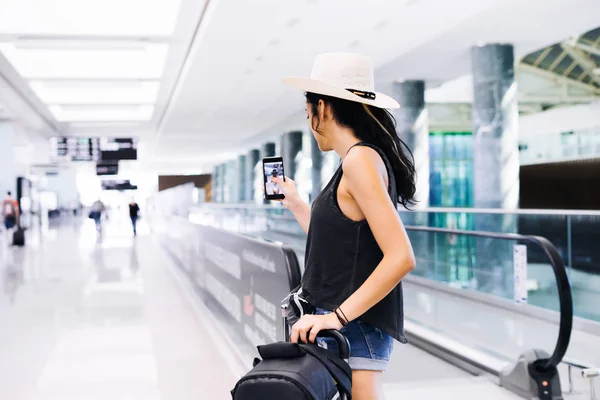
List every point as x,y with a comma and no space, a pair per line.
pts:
370,348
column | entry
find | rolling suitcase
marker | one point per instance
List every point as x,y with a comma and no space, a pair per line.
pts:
294,371
19,237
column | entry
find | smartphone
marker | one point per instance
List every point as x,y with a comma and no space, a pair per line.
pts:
273,167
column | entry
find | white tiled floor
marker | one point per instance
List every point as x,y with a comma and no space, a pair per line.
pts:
449,389
82,319
87,319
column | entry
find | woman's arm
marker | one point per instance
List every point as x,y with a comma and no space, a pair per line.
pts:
364,174
294,203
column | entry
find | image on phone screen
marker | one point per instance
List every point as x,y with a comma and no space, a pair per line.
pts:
273,168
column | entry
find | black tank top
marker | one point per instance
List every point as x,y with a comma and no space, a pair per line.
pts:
341,254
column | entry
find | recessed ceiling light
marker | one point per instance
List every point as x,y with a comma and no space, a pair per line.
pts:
90,18
74,44
96,92
89,113
144,63
82,125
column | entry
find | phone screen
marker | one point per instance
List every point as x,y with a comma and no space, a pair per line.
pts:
273,167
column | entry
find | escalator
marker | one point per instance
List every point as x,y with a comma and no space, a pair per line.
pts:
470,326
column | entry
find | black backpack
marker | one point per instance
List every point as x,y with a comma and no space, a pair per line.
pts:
294,371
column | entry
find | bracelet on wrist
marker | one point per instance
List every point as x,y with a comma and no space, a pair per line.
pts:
342,318
344,315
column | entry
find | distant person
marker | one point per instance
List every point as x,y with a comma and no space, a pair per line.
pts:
134,214
96,212
10,212
272,187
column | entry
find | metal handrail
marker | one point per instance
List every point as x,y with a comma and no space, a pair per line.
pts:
499,211
587,371
590,374
504,211
558,267
560,273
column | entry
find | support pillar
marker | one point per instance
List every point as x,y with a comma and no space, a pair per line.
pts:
267,150
231,182
291,146
215,184
252,160
495,161
241,178
495,127
412,126
222,172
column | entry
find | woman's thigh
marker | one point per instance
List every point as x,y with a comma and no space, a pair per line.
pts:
366,385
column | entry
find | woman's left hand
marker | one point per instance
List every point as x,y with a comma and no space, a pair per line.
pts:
310,325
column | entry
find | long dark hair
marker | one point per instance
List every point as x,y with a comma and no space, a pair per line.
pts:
375,126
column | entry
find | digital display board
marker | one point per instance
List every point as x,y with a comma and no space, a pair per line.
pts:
72,148
114,149
107,168
118,185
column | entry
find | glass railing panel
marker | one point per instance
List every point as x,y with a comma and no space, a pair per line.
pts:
575,237
485,265
584,244
476,270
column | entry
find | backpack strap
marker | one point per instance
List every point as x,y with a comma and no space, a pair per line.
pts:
340,370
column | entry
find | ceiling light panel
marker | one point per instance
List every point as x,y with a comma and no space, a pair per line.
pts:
89,17
137,61
98,126
96,92
102,113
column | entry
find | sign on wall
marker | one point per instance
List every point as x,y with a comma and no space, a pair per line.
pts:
244,280
520,273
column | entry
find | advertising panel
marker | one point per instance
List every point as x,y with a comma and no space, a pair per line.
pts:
243,281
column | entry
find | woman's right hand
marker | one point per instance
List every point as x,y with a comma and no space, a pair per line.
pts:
288,189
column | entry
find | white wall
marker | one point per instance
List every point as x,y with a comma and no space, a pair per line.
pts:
64,185
564,119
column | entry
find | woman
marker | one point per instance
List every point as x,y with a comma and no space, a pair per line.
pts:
357,249
96,212
134,214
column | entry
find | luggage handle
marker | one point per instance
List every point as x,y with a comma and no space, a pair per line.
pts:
342,342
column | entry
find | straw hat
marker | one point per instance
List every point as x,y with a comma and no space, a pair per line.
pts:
345,76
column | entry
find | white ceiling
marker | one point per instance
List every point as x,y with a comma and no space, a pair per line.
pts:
198,81
233,94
